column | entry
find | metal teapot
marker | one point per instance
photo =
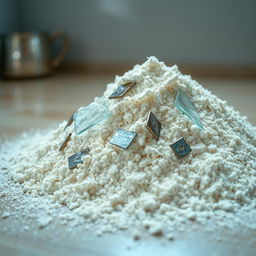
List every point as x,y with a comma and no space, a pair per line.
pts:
28,54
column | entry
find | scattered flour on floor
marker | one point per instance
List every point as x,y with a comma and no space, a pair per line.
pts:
145,186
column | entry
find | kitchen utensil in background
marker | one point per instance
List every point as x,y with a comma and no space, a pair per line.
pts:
28,54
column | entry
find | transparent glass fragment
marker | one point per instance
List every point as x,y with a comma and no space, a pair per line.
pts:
90,115
183,103
123,138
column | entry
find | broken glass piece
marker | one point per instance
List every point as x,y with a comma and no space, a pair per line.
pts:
90,115
181,148
186,106
76,159
70,121
121,90
153,125
65,142
123,138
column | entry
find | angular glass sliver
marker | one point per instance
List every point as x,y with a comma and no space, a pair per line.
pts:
65,142
76,159
70,121
123,138
153,125
90,115
184,104
122,90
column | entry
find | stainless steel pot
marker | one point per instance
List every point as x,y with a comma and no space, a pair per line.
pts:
28,54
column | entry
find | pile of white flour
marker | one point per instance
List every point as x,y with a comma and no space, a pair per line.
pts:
146,186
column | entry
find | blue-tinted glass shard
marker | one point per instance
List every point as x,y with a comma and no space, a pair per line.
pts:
123,138
90,115
122,90
183,103
76,159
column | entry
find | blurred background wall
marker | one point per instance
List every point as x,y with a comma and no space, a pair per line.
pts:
127,31
8,16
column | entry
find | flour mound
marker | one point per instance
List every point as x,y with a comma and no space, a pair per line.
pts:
146,183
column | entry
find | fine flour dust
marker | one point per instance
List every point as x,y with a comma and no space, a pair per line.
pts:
145,186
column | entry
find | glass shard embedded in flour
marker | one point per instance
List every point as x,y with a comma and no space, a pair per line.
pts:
90,115
121,90
65,142
123,138
70,121
76,159
181,148
186,106
153,125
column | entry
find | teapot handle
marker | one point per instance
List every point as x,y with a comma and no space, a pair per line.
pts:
63,51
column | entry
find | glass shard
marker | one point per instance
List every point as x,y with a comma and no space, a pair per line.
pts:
90,115
184,104
70,121
76,159
153,125
122,90
65,142
123,138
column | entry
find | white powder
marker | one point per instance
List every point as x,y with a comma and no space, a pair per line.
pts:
146,186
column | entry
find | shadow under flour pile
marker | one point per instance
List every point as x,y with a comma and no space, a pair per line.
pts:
146,185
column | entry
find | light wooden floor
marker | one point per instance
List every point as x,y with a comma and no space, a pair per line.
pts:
44,102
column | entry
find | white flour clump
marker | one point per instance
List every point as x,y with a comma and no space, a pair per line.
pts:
146,186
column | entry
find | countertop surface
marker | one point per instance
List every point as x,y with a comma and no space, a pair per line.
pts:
42,103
